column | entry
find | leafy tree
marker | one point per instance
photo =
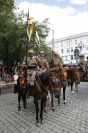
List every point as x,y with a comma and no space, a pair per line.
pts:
13,36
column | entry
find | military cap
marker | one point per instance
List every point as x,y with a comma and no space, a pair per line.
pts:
30,51
42,52
56,53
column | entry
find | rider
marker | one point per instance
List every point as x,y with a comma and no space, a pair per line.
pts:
82,63
42,63
55,62
31,65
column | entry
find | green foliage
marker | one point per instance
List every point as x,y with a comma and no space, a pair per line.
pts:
13,35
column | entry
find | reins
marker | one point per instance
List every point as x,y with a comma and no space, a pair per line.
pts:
41,84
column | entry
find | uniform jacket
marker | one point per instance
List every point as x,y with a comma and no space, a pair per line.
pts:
42,63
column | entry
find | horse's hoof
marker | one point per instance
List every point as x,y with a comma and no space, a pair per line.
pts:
45,110
19,112
42,121
58,104
72,92
37,124
64,101
53,109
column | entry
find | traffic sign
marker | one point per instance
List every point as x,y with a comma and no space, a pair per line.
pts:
76,52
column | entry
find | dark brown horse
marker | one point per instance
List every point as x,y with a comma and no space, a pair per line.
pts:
22,91
40,91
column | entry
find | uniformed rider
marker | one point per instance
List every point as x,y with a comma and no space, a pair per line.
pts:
31,67
42,63
82,63
55,62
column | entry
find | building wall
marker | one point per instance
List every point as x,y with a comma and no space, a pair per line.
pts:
66,46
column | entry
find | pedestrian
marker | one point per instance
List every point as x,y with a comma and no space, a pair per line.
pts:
15,81
82,63
7,77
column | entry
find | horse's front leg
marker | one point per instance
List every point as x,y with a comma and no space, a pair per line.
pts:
24,100
59,97
44,105
76,86
64,90
72,87
41,110
37,111
19,100
52,101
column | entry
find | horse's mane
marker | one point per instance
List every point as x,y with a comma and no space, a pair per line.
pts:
45,77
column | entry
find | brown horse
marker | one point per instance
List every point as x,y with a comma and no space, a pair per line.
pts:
40,91
62,79
73,75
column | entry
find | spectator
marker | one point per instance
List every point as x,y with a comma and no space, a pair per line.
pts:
15,81
7,77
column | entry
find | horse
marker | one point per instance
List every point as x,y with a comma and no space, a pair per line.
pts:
73,76
40,91
62,79
22,91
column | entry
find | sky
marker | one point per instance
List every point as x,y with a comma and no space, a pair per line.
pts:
66,17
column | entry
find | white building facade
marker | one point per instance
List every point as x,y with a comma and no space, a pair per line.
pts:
66,46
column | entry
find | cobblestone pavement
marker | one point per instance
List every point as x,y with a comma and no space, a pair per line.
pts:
69,118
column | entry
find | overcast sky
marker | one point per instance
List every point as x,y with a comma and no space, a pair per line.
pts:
67,17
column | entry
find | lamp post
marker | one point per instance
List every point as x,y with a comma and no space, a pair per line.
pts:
76,54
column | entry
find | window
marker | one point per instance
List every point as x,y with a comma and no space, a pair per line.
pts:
61,44
62,51
71,57
66,58
67,50
71,49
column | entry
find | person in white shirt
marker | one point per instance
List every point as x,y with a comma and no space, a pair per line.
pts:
15,81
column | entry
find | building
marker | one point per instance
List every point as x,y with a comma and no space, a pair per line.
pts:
66,46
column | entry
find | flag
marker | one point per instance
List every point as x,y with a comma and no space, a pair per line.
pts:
30,28
37,38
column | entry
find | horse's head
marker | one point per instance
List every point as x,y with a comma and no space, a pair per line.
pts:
74,75
54,83
63,76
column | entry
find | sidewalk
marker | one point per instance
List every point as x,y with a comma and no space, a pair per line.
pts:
5,85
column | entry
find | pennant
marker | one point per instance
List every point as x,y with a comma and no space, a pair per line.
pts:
30,28
37,38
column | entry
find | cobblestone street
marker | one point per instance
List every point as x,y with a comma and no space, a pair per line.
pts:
71,117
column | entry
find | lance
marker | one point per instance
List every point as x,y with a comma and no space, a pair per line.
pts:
52,43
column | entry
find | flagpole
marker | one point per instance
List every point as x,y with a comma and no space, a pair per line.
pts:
52,43
27,54
27,38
